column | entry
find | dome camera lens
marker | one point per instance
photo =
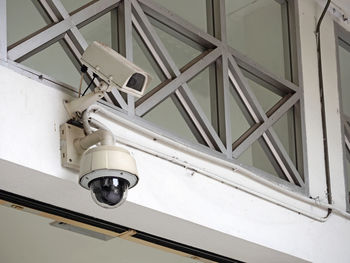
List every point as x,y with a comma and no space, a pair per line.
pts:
109,192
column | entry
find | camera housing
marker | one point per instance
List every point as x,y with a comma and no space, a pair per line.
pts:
115,70
108,171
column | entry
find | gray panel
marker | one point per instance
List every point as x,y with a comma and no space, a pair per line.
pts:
81,231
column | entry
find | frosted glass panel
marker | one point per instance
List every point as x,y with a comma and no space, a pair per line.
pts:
194,11
344,63
258,29
23,19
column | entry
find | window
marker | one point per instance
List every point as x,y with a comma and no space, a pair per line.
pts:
344,88
224,78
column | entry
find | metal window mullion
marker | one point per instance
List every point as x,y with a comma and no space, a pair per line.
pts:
3,30
258,115
282,85
197,133
265,125
193,122
273,157
223,84
219,19
287,45
198,116
140,19
75,43
242,95
169,68
55,11
177,97
150,47
39,42
124,29
56,31
78,44
271,138
296,70
93,11
216,21
185,76
179,25
282,157
226,102
125,46
242,87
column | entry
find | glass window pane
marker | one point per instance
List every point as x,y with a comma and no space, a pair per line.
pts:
179,51
262,91
98,30
258,29
344,66
200,87
259,156
54,62
167,116
194,11
18,27
285,130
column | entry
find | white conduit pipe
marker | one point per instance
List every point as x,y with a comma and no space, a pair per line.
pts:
100,110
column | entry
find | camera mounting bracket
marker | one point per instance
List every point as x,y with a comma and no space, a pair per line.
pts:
80,104
70,156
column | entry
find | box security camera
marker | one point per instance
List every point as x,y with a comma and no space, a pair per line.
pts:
116,70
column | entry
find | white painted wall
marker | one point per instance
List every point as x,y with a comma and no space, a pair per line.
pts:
196,210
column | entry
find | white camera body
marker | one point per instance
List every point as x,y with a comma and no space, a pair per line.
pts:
115,70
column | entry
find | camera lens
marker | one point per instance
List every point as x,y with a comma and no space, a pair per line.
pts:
109,192
136,81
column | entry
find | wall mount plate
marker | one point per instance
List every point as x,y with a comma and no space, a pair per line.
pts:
70,158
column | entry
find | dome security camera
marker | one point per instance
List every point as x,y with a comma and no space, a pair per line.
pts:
108,172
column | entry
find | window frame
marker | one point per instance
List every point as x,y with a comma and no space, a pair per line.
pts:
342,36
128,109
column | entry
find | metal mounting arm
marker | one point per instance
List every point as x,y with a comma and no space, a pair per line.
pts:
81,104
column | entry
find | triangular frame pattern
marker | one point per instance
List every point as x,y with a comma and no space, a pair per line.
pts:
127,14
